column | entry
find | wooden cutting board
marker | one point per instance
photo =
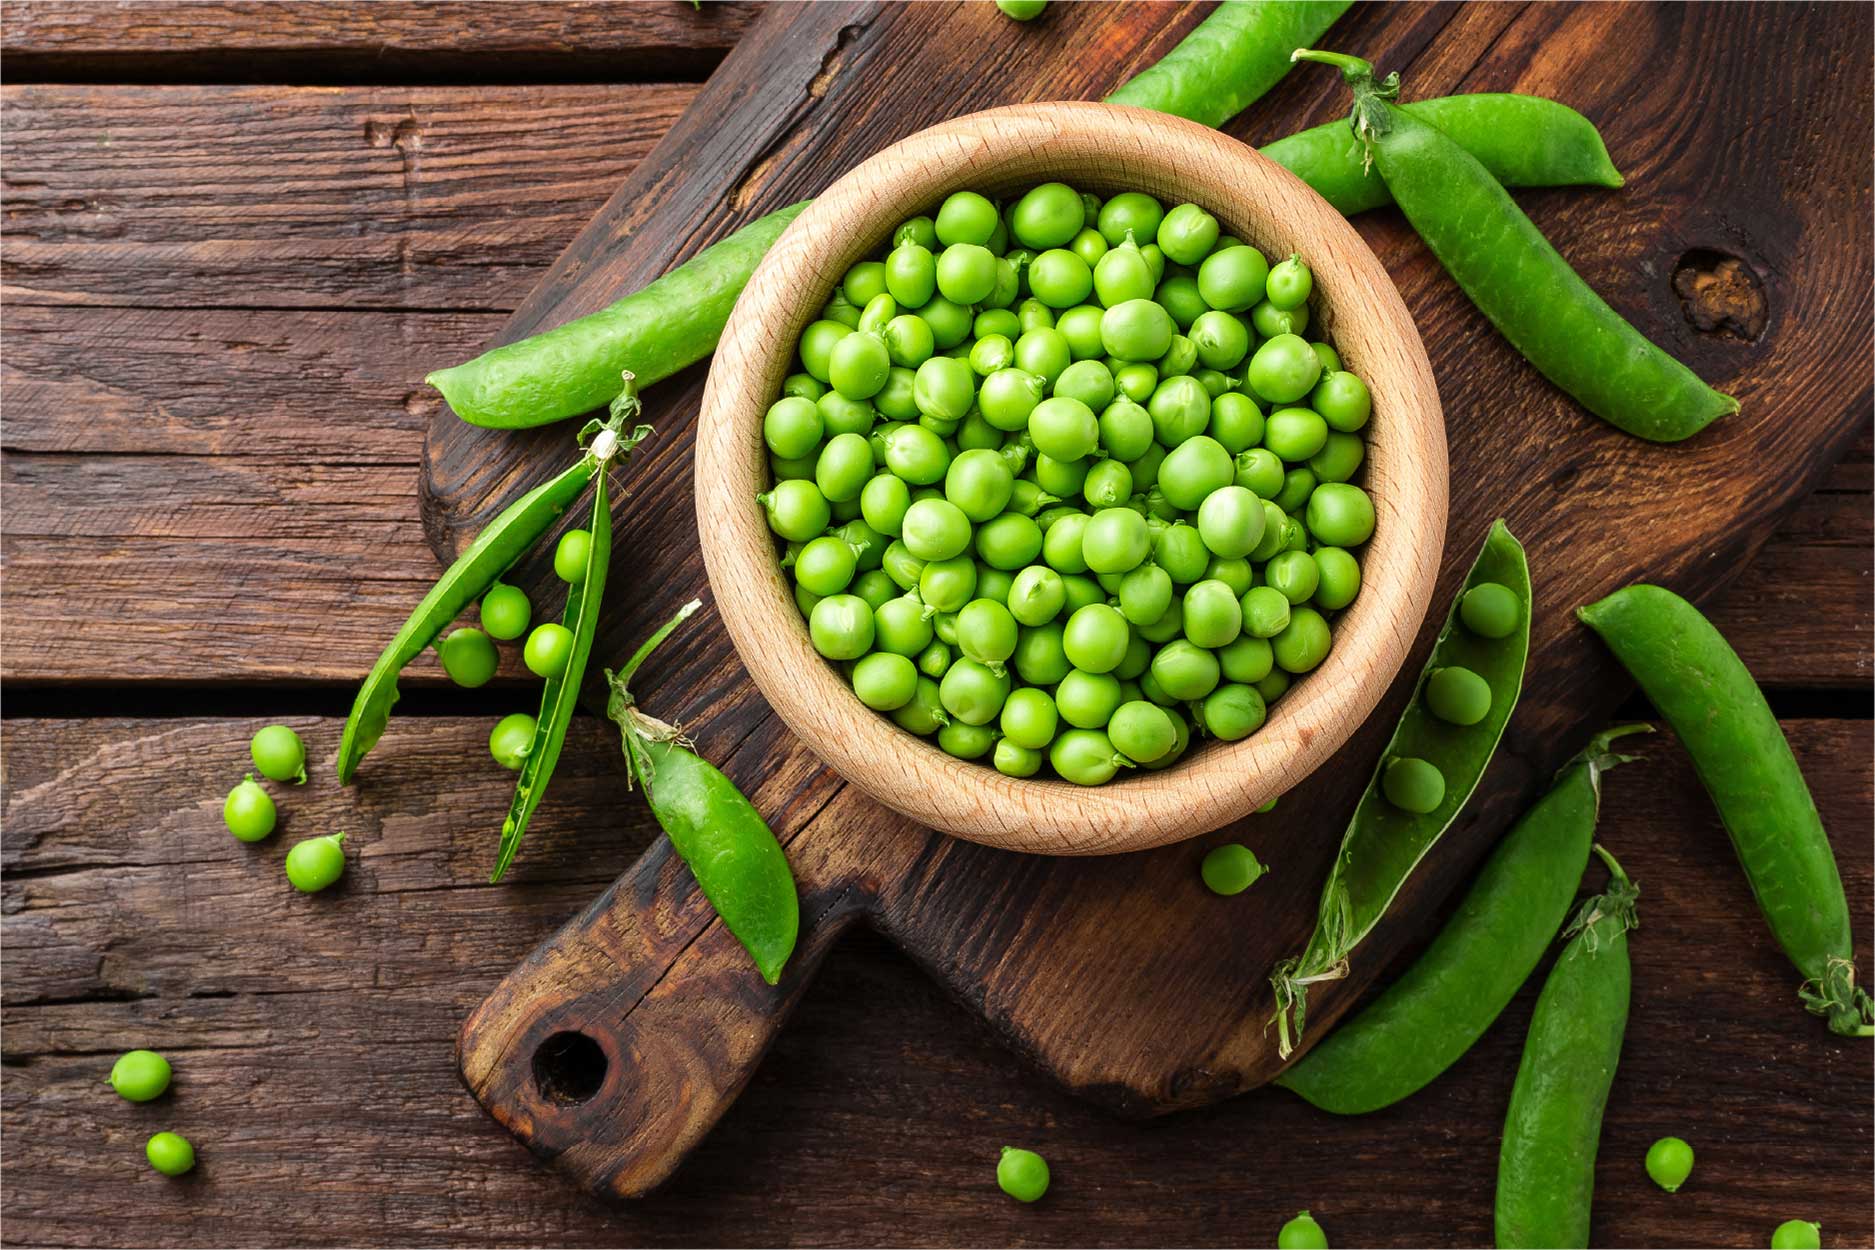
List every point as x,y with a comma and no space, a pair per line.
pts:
617,1045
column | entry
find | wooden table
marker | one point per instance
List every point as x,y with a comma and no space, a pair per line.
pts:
236,236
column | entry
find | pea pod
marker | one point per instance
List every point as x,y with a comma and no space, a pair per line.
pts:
1384,843
1516,278
738,864
560,695
1230,59
653,332
503,541
1546,1165
1741,755
1523,140
1432,1015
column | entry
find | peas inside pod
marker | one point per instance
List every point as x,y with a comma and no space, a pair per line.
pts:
1062,485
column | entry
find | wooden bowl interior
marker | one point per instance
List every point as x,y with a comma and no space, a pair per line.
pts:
1104,149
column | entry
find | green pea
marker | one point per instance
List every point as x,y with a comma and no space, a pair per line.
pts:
1040,659
936,529
1109,484
1145,594
505,611
858,364
1022,1174
511,739
1283,370
1231,521
1340,515
986,632
797,511
1413,785
1115,540
1179,296
1044,353
316,863
1330,358
1340,457
972,692
1130,213
1009,396
877,313
1266,612
1245,659
1141,731
841,627
1339,576
966,272
1095,638
950,322
1085,757
1180,408
1232,712
1490,610
1136,381
1212,614
1012,760
1669,1163
1089,246
966,217
911,274
140,1075
1232,279
908,341
864,282
1303,643
883,501
1179,359
898,399
944,625
170,1153
1136,330
1298,485
979,483
844,467
1145,467
1122,274
935,661
802,386
1290,283
468,657
1343,400
1222,340
1302,1233
1047,216
1009,542
874,587
1062,544
1457,695
947,585
792,427
1270,321
924,714
900,625
1060,279
1137,662
1185,670
884,682
1273,686
548,649
1036,595
1081,591
1193,469
1294,574
817,342
1797,1235
1237,424
1230,869
1233,571
1027,497
1179,549
1088,700
966,742
1295,434
825,566
944,388
1275,532
1029,718
1187,234
279,754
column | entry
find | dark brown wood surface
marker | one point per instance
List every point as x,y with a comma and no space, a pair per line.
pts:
1167,1021
223,471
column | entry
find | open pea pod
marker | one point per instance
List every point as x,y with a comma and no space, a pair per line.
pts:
1384,843
560,695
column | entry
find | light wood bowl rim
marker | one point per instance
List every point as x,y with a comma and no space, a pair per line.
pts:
1103,148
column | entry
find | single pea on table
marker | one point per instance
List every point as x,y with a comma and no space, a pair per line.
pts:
1070,450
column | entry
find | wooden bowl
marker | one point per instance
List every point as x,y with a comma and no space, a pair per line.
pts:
1101,148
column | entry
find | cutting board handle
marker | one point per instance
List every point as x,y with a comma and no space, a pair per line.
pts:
620,1041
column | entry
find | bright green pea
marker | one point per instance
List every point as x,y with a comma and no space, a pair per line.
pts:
796,509
1130,212
1797,1235
1212,615
511,739
1037,595
1179,359
979,483
1115,540
946,585
1221,339
1259,471
1087,700
1145,467
1022,1174
1080,325
1012,760
817,343
1009,396
316,863
858,364
966,272
505,611
825,566
973,692
1293,573
911,274
1109,484
1490,610
990,353
1086,757
1230,521
1274,686
986,632
468,657
1275,527
548,649
934,661
1081,591
1060,279
1180,408
1136,330
1141,731
841,627
924,713
1137,662
1298,484
908,341
844,468
1669,1163
1246,659
898,399
1193,469
1457,695
1044,353
1339,578
1180,297
1009,542
1283,370
1302,1233
944,388
1233,571
883,502
936,529
1064,428
876,315
140,1075
1340,457
1295,434
279,754
1290,283
1343,400
1145,594
1230,869
1413,785
1029,718
1270,321
901,626
1187,234
1039,658
1232,279
950,321
1330,358
966,742
1303,643
1122,274
1232,712
1266,612
1047,216
792,427
884,682
1096,638
864,282
1185,670
966,217
1340,515
170,1153
1136,381
1179,549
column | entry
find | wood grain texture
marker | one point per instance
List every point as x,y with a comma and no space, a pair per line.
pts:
312,1036
1595,508
252,41
1105,149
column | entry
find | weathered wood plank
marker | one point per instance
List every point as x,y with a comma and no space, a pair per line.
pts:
252,41
385,197
313,1039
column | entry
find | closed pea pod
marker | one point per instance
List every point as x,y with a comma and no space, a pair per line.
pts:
1546,1165
1235,55
738,864
1741,755
1517,279
1384,843
1422,1023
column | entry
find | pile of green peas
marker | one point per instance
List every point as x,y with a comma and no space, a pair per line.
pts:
1058,474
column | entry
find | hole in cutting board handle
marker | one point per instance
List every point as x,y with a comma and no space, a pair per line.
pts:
569,1068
